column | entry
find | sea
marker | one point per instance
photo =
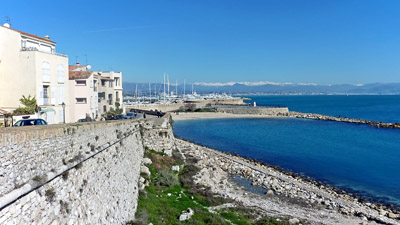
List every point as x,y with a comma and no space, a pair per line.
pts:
354,157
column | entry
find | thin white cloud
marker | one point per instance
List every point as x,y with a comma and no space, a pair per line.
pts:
117,29
251,83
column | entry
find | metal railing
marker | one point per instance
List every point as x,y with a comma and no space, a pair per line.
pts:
26,49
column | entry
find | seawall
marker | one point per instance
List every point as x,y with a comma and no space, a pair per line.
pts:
75,173
270,111
179,106
343,119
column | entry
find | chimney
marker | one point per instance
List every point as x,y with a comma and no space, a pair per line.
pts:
47,37
6,25
78,64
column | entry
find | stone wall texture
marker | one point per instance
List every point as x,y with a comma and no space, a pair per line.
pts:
75,173
272,111
178,106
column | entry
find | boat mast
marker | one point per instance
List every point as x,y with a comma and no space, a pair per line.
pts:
184,87
150,91
168,84
176,88
164,86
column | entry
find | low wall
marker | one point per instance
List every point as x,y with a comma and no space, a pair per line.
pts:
273,111
177,106
74,173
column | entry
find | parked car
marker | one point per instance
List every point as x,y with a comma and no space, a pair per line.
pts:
130,115
120,117
30,122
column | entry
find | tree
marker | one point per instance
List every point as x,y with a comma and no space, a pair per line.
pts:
29,103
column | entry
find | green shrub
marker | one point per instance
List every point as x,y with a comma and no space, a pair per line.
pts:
166,178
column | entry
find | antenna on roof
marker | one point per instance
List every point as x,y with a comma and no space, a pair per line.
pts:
8,20
86,59
76,59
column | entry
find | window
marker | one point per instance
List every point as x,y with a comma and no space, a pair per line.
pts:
80,82
103,83
110,84
116,81
81,100
60,73
44,98
46,72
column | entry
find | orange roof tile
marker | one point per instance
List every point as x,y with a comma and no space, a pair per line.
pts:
32,35
79,74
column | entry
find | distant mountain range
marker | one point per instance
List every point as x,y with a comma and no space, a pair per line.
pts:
269,88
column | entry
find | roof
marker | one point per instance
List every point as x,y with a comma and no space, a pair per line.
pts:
31,35
79,74
74,67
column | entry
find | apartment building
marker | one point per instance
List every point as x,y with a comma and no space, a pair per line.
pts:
84,92
110,91
29,65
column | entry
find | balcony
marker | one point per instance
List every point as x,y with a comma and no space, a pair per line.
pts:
33,49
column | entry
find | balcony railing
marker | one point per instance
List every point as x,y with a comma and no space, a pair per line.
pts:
37,50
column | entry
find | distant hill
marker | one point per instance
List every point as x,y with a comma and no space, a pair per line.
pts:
269,88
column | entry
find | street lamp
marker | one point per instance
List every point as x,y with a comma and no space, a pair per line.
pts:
63,106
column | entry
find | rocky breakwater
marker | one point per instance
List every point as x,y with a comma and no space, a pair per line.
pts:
288,195
341,119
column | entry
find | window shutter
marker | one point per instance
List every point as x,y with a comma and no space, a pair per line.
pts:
53,95
60,116
60,94
40,99
46,72
60,73
50,117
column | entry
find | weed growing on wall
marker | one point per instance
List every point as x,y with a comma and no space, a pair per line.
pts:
50,194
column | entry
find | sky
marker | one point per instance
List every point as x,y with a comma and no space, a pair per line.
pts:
297,41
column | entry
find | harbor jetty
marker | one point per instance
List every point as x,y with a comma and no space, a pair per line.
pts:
315,116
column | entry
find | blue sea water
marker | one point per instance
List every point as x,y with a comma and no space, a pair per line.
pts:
354,157
385,108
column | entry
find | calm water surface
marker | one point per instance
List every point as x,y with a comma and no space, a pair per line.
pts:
350,156
384,108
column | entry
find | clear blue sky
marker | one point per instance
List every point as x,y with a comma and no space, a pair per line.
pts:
325,42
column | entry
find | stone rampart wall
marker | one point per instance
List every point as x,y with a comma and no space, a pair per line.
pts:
177,106
255,110
74,173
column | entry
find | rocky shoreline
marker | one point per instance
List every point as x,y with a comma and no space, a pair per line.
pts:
288,195
315,116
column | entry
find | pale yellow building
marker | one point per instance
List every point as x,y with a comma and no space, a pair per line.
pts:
29,65
83,92
110,91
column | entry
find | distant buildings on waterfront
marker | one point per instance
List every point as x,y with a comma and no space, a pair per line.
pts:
30,65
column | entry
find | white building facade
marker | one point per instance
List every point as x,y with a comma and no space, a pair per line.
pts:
29,65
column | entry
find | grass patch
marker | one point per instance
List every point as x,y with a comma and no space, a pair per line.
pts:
170,193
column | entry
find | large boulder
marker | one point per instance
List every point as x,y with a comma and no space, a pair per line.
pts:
144,170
